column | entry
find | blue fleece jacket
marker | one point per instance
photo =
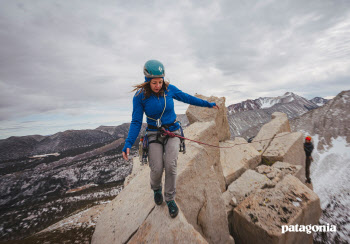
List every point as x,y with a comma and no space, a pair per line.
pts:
153,107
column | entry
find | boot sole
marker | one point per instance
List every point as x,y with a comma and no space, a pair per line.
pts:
174,214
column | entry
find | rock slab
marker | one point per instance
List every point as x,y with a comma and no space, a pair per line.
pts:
286,147
201,114
123,216
260,217
248,183
278,124
159,227
236,160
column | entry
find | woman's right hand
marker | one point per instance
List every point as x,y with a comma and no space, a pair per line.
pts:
125,155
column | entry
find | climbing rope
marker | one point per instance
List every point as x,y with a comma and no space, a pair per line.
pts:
171,134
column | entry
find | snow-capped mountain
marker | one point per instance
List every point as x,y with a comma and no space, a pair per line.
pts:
319,101
268,102
329,127
246,118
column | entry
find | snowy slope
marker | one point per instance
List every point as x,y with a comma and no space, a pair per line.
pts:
330,173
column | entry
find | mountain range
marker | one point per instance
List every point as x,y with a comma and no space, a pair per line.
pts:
17,147
268,102
246,118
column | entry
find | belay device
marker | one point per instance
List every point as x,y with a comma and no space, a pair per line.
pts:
182,141
143,149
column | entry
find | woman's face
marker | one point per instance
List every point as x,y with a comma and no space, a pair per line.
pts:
156,84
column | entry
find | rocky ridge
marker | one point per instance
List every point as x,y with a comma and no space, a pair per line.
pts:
214,195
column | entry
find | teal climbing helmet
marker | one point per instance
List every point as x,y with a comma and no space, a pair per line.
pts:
153,69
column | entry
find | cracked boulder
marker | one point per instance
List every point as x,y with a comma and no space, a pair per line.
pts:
236,160
279,170
287,168
206,132
260,217
202,114
278,124
247,184
269,171
198,194
241,188
286,147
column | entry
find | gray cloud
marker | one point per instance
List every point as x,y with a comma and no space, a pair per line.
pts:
251,40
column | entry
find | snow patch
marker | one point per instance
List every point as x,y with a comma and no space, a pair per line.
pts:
267,103
330,174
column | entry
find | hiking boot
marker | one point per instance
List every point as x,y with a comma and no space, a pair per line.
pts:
173,209
308,181
158,196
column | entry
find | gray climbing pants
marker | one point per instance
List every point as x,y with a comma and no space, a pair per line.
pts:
164,156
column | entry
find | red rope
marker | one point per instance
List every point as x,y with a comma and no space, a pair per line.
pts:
170,134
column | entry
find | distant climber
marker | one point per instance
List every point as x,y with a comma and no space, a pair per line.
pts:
155,97
308,148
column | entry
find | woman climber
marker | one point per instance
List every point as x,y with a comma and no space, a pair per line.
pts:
155,98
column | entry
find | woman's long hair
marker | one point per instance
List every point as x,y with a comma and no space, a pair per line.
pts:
145,87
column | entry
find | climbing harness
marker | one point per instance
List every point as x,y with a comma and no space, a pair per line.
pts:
162,135
144,141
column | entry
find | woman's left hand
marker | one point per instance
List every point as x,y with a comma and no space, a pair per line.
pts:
216,106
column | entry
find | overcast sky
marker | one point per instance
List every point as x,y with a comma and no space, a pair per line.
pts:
71,64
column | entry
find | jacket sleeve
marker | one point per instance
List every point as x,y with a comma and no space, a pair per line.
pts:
136,122
186,98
